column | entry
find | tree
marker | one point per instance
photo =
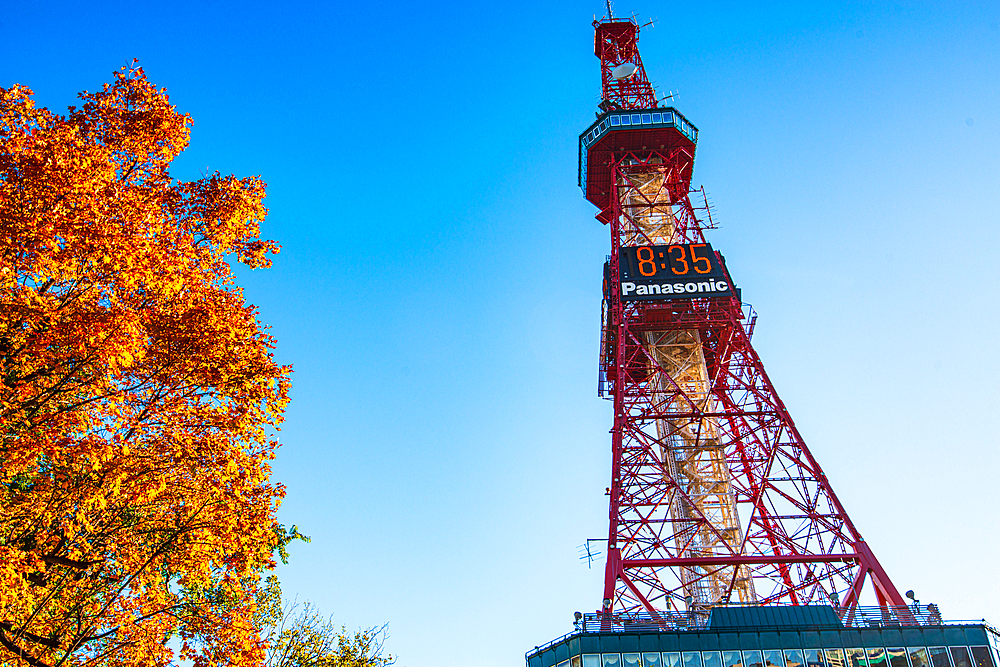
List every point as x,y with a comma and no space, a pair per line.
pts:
300,637
139,394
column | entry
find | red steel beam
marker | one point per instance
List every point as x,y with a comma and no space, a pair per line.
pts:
737,560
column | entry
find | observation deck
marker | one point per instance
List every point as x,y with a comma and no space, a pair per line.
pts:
775,636
663,135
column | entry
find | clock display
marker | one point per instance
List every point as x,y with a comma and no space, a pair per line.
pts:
664,272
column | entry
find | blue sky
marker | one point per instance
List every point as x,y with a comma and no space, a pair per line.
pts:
438,291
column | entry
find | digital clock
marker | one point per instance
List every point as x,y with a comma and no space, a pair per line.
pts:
664,272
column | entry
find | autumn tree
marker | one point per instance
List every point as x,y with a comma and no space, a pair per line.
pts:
139,393
299,636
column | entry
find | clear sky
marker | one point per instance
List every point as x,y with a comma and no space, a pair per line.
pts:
438,291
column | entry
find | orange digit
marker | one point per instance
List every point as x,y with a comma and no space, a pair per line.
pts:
647,260
682,259
695,258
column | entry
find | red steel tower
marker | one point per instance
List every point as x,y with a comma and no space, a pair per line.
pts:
715,498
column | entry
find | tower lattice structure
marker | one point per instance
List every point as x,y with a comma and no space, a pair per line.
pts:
714,496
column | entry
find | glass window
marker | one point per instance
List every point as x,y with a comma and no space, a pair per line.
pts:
939,656
614,120
626,121
855,657
896,657
834,657
576,661
876,657
612,659
593,660
960,656
692,659
981,656
671,660
646,119
668,117
793,657
657,118
564,663
732,659
712,658
635,119
773,659
752,659
631,660
813,657
918,657
651,660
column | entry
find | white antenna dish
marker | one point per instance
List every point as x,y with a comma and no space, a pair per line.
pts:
624,71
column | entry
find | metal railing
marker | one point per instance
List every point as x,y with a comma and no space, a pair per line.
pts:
680,621
894,616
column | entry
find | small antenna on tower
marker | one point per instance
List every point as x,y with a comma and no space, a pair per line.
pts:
589,552
608,3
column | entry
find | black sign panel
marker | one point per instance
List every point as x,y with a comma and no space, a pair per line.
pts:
664,272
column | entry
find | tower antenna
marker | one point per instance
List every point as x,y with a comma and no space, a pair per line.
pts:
608,3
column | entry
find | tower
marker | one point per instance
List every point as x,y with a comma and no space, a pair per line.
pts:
715,498
727,546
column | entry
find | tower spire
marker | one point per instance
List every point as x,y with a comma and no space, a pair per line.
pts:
624,84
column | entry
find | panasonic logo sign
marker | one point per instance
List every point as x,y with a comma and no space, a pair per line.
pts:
710,287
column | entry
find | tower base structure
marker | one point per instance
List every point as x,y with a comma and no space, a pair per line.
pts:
776,636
